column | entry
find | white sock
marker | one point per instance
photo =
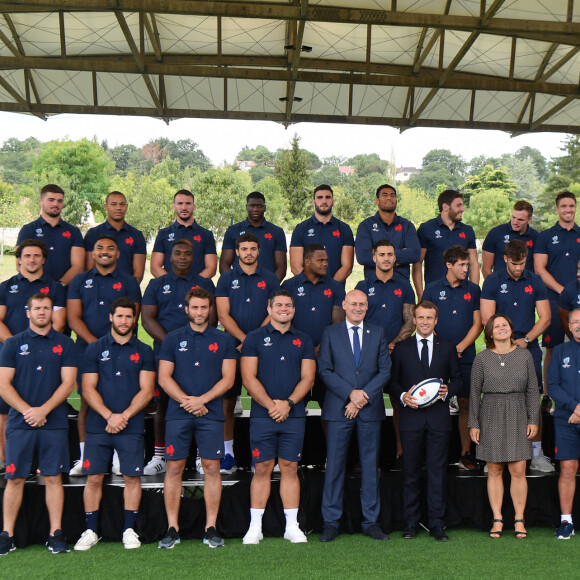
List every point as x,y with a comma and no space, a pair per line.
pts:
291,517
256,518
82,448
536,448
229,447
566,518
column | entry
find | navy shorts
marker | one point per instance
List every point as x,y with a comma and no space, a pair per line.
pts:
99,451
209,436
236,390
50,445
567,441
554,334
536,352
269,439
466,374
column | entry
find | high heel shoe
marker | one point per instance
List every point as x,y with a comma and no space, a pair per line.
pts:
520,535
495,534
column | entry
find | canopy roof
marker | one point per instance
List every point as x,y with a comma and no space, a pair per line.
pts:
512,65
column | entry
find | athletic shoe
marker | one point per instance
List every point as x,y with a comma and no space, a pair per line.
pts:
485,469
2,466
295,534
453,406
565,530
156,466
228,465
57,543
77,468
130,539
546,404
541,463
198,466
6,544
170,539
212,539
238,409
86,541
253,535
468,463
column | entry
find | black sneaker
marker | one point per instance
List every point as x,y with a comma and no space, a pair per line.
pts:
546,404
212,539
6,544
57,543
169,540
468,463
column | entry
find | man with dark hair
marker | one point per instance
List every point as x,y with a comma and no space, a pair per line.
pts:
518,228
66,252
458,301
184,226
197,366
242,305
272,238
328,231
162,312
440,233
387,225
89,298
118,383
278,370
520,294
37,374
131,242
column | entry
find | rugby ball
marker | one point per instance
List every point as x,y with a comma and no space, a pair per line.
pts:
426,392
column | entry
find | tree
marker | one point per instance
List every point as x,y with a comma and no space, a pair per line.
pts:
366,164
565,169
168,169
440,167
186,151
276,203
259,172
260,154
12,212
122,155
16,159
415,205
329,174
487,209
489,178
538,160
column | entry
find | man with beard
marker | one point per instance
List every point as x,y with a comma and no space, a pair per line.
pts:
387,225
328,231
278,370
163,311
184,226
131,242
37,374
440,233
66,252
197,366
118,382
272,238
90,297
242,305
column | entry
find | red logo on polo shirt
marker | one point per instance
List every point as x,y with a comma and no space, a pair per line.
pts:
197,238
57,349
156,393
529,243
462,235
297,342
547,338
268,236
262,285
11,468
467,296
195,287
169,450
398,292
528,289
45,290
578,240
129,241
135,357
86,464
399,228
336,233
213,347
328,292
255,454
117,286
66,234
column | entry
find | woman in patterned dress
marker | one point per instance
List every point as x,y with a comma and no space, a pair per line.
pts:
503,417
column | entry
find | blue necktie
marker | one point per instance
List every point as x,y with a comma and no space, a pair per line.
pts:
425,356
355,344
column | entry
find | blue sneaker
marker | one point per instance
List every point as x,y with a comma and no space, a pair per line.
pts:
212,539
6,543
228,465
57,543
565,531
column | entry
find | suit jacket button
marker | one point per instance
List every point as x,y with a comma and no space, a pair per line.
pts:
357,373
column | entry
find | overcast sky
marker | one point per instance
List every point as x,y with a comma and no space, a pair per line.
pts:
221,140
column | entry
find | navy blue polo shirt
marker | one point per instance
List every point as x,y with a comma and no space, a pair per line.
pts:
97,292
456,307
272,239
436,237
563,249
499,236
516,298
198,358
118,367
570,297
401,233
15,292
129,239
59,239
38,361
563,383
314,303
202,240
168,293
386,301
279,363
248,295
333,235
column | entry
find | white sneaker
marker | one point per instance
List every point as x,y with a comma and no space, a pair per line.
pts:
155,466
295,534
116,467
130,539
541,463
86,541
238,409
198,466
77,469
253,536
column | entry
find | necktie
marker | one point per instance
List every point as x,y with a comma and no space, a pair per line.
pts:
355,345
425,356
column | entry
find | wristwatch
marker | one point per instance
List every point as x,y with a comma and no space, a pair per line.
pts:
527,339
290,402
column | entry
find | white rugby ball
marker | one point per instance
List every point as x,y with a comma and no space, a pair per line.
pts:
426,392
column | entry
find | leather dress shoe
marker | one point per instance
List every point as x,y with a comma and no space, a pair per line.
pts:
410,533
439,534
374,531
328,534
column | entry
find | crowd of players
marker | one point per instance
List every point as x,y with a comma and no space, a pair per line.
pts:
285,340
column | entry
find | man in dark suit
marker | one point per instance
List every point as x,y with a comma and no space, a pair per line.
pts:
354,364
425,432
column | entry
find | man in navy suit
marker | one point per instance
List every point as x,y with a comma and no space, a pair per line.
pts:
354,364
425,432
